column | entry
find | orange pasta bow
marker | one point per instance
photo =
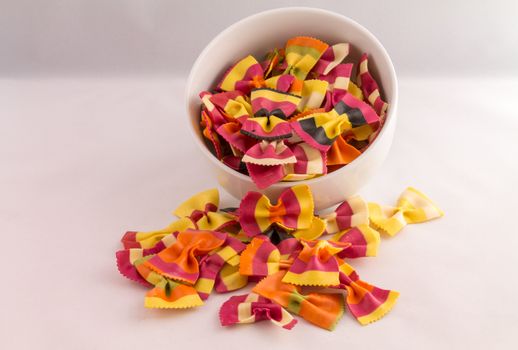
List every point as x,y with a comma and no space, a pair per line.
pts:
321,309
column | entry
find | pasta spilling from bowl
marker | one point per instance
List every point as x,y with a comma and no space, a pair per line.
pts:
281,249
295,115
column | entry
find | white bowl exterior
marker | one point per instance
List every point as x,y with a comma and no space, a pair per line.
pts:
261,32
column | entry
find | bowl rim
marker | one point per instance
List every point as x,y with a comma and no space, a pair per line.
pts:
390,117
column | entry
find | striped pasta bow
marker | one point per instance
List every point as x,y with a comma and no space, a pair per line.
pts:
179,261
367,303
321,129
166,293
198,212
184,270
294,210
248,74
251,308
183,273
321,309
412,207
302,54
270,109
316,264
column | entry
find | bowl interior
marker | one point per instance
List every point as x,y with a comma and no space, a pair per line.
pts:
260,33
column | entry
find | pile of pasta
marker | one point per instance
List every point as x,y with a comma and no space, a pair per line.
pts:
295,115
279,248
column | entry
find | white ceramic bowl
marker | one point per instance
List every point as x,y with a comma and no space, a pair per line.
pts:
256,35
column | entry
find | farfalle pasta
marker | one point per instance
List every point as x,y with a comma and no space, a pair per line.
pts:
198,212
302,94
412,207
281,248
293,210
253,308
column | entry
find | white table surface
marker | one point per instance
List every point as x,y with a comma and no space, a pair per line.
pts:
84,160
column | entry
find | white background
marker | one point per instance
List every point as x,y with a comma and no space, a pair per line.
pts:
93,142
119,37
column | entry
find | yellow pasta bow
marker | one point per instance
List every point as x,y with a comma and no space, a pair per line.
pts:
198,212
412,207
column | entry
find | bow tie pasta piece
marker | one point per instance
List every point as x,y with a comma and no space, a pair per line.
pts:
242,76
166,294
412,207
351,212
271,109
321,309
198,212
248,74
316,264
366,302
251,308
332,57
269,153
294,210
321,129
302,54
370,87
202,210
179,261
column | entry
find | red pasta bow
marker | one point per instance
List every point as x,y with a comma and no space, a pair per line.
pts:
294,210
